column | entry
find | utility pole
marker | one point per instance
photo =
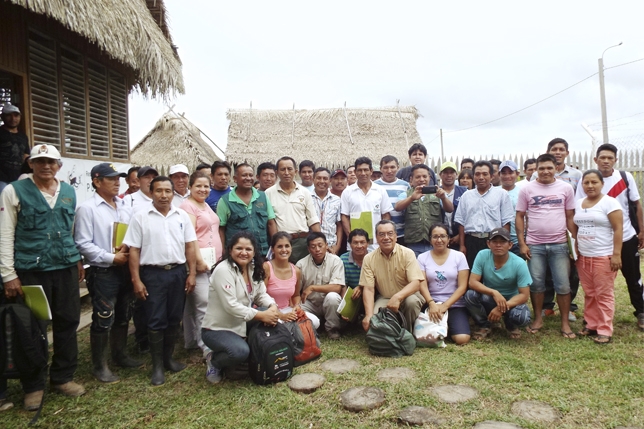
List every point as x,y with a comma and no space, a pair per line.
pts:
442,154
602,93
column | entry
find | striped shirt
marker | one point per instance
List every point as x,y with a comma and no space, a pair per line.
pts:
351,270
393,190
328,210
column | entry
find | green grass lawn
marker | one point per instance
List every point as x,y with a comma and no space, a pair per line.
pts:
592,386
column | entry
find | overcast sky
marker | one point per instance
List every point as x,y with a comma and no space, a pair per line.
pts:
460,63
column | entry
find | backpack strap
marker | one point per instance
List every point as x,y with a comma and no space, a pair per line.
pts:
628,191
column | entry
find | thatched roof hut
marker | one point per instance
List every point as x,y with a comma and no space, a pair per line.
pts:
173,140
329,137
127,31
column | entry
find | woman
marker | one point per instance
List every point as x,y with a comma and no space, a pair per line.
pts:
235,285
446,274
466,178
283,279
206,224
598,243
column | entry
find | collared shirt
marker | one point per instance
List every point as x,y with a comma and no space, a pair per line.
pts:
390,274
483,213
362,208
178,199
294,212
394,189
351,269
137,201
223,211
328,210
330,272
569,175
94,227
214,196
162,239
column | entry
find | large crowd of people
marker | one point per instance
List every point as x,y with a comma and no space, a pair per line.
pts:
474,242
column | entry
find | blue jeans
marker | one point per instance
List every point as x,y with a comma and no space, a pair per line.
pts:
112,295
480,305
228,348
419,248
555,256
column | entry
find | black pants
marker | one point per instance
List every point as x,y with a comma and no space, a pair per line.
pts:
474,245
166,295
112,294
631,272
549,294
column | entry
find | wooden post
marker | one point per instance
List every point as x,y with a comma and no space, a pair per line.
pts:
346,118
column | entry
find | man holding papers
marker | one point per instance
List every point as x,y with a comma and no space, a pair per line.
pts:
108,277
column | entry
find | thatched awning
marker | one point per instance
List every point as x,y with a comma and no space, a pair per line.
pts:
127,32
328,137
173,140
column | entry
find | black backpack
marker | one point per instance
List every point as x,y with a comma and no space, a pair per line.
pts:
387,335
271,353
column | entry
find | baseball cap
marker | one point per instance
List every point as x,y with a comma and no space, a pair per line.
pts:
10,108
179,168
510,164
44,151
146,170
106,169
448,164
338,172
500,232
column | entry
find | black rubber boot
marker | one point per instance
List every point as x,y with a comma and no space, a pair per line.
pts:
98,344
155,339
118,344
171,334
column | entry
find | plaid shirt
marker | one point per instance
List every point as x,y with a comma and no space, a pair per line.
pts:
328,210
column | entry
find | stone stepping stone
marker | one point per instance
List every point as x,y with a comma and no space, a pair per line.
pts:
362,398
340,366
454,393
396,374
419,416
490,424
306,383
536,411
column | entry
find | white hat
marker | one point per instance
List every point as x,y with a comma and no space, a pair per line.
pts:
179,168
44,151
10,108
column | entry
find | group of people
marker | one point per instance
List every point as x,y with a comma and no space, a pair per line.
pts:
216,259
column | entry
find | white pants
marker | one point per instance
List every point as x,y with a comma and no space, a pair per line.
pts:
325,305
314,319
193,312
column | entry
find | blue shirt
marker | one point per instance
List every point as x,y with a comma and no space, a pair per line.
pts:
351,270
214,196
508,279
393,190
483,213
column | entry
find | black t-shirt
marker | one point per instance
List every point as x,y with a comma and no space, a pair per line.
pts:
13,147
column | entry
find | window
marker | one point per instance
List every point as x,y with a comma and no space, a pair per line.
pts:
74,109
44,91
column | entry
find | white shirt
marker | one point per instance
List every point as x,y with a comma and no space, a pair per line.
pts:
595,236
356,204
94,227
178,199
162,239
137,201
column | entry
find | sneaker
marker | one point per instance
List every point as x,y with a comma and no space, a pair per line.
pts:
213,375
333,334
547,312
33,400
69,389
5,405
572,317
640,321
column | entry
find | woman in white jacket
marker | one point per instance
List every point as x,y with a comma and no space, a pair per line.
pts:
235,285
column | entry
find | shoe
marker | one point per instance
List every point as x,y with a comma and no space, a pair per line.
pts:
100,370
333,334
547,312
572,317
118,345
602,339
33,400
155,340
69,389
213,375
5,405
640,321
169,340
587,332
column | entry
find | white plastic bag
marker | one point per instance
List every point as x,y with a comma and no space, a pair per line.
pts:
429,333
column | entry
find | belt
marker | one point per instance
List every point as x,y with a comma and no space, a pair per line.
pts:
299,235
163,267
479,234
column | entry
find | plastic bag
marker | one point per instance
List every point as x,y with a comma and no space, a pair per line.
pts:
429,333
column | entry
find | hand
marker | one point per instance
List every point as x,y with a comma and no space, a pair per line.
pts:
13,288
191,282
640,238
501,303
440,193
436,312
288,317
365,322
495,315
202,267
121,258
417,194
453,241
140,291
525,251
394,303
270,316
357,293
307,292
81,271
615,262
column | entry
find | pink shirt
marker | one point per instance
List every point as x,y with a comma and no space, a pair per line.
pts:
281,290
207,226
546,207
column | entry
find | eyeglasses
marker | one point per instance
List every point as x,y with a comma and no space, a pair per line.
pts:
387,234
439,237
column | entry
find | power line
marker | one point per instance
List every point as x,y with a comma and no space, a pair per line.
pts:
623,64
617,119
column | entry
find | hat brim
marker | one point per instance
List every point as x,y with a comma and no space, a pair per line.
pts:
44,155
114,174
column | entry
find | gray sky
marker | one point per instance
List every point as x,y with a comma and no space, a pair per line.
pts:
460,63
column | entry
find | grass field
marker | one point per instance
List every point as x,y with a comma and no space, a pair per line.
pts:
592,386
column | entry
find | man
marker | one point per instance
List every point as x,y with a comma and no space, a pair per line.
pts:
338,182
203,168
132,181
351,175
481,210
322,283
376,174
108,277
327,207
306,174
509,173
394,187
14,145
467,164
293,206
142,198
529,167
40,250
550,205
158,268
421,210
364,203
393,271
417,155
219,179
453,193
246,209
615,187
499,288
266,175
352,260
496,179
179,175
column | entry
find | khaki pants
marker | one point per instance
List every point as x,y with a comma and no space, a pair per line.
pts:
409,308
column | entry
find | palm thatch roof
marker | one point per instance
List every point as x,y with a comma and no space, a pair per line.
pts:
127,31
173,140
329,137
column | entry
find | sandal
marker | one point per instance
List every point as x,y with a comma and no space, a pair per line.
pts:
602,339
587,332
515,334
568,335
532,330
481,333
